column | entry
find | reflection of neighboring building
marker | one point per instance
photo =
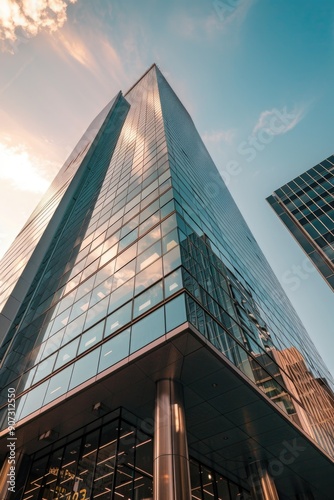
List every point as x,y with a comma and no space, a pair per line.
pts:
308,400
314,394
140,335
306,206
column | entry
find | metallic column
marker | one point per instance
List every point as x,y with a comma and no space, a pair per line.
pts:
11,482
261,483
171,461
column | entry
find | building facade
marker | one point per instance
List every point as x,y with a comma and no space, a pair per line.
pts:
146,343
306,206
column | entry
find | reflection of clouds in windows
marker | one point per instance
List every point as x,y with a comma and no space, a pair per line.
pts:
148,276
148,299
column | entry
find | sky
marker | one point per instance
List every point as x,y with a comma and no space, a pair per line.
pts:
237,65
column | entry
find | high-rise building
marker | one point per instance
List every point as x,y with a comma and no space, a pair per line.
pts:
146,340
306,206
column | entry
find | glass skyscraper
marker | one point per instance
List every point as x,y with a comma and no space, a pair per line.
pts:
306,206
148,345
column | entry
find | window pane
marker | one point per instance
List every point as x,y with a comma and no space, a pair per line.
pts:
97,312
207,478
80,307
149,239
149,256
128,239
85,368
168,224
152,221
148,276
127,272
173,283
147,329
114,350
125,257
105,464
108,255
167,209
234,490
67,353
148,299
58,384
222,487
86,465
150,210
101,291
172,260
170,241
175,312
121,295
44,368
104,273
91,337
33,400
118,319
74,328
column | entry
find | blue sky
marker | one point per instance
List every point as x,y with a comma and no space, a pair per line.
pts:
237,65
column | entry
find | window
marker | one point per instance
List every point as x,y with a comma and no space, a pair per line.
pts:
119,318
97,312
149,256
85,368
114,350
91,337
58,385
175,312
172,260
148,276
148,299
67,353
173,283
148,329
123,294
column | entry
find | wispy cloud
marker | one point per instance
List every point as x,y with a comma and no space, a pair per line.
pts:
26,18
21,170
93,51
218,136
71,46
278,122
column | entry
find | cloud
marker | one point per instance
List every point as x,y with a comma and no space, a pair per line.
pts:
278,122
20,20
22,171
69,44
90,48
217,136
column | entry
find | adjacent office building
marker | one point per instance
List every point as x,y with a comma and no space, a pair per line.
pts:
149,346
306,206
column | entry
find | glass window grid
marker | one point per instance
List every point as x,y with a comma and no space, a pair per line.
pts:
278,325
225,312
60,346
217,262
74,273
203,478
86,358
232,348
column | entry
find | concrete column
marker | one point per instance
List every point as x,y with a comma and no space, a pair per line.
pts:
171,461
261,483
